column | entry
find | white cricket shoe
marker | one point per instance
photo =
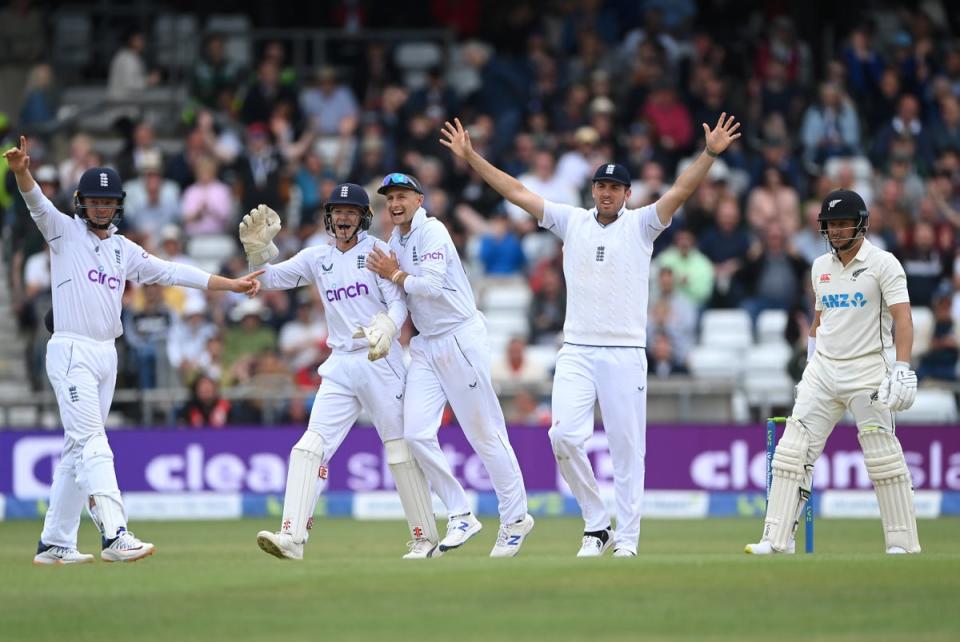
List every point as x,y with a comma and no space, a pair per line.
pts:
48,555
594,546
763,547
896,550
624,552
422,548
280,545
125,547
460,528
510,537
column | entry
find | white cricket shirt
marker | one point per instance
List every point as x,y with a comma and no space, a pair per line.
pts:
351,293
88,275
607,268
854,301
440,297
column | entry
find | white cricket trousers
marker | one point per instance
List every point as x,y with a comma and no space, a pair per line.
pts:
456,368
83,373
351,381
830,386
618,378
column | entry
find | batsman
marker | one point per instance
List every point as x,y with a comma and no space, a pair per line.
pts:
861,311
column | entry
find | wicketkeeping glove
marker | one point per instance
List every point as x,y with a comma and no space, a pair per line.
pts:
257,230
379,335
899,390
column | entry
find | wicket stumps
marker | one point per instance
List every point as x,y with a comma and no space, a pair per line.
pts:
808,510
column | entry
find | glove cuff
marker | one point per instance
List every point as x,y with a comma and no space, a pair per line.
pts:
901,365
263,255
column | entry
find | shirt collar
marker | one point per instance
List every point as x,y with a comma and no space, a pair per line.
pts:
593,212
419,218
866,248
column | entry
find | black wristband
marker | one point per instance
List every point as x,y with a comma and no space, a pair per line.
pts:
709,152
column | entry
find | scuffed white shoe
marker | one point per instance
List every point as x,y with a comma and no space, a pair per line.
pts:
460,528
125,547
763,547
280,545
896,550
593,546
421,549
624,552
511,536
49,555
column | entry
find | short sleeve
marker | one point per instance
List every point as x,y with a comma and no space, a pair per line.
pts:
556,217
893,281
650,224
813,288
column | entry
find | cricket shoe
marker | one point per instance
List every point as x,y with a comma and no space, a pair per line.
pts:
899,550
280,545
511,536
125,547
460,528
595,543
624,552
49,555
763,547
422,548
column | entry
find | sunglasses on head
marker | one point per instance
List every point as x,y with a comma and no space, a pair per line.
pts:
396,179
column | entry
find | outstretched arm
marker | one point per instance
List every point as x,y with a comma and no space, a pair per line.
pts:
19,163
457,140
717,141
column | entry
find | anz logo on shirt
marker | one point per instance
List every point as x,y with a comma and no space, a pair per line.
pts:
843,300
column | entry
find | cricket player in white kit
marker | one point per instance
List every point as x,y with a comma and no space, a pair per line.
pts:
860,293
365,370
90,265
450,362
606,263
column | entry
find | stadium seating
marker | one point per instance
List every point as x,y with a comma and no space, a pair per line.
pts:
235,28
211,250
711,362
923,323
771,325
726,328
933,405
765,377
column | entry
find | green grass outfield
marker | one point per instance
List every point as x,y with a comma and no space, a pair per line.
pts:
209,581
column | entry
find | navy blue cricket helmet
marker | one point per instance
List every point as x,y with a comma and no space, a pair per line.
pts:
348,194
99,182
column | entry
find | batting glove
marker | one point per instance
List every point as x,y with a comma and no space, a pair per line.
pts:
257,230
899,390
379,335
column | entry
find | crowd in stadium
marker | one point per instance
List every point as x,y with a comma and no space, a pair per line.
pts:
575,88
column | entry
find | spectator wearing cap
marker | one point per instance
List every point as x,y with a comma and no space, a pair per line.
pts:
329,105
188,338
576,165
207,205
153,202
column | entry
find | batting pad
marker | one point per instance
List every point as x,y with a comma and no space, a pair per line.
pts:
413,490
790,485
303,474
888,470
98,479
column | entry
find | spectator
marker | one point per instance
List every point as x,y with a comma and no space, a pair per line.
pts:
543,179
128,71
145,332
864,65
213,73
500,251
247,338
673,315
139,147
809,242
905,124
40,101
513,368
548,307
265,93
206,408
774,200
528,410
670,119
726,243
152,202
302,340
189,337
773,274
329,106
576,166
941,360
81,158
923,265
830,126
207,204
946,130
663,362
692,270
258,170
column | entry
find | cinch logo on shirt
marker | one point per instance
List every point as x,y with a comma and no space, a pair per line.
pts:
349,292
436,255
100,277
843,300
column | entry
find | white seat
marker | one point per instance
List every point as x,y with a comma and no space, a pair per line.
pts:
211,250
726,328
73,35
546,356
766,381
932,406
175,39
507,323
513,297
923,326
415,58
235,28
707,362
771,325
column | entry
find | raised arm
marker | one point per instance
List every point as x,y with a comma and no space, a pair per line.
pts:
457,140
19,163
717,140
